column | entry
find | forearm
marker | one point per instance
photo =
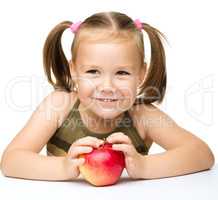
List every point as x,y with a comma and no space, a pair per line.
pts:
182,160
30,165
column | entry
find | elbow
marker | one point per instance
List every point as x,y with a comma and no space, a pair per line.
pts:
4,165
207,156
211,159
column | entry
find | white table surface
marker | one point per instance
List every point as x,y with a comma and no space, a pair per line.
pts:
199,186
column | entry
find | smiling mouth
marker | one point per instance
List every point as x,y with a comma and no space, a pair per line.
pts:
106,100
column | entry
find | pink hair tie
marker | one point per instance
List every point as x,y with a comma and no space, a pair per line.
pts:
138,24
75,26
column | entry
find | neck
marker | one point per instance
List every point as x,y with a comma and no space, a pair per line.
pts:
96,123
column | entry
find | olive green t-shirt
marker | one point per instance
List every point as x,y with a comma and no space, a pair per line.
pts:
73,129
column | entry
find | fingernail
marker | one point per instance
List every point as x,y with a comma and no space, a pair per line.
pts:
70,159
89,148
100,142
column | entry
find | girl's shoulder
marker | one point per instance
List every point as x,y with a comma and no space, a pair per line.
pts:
139,117
151,116
42,123
139,112
62,102
149,119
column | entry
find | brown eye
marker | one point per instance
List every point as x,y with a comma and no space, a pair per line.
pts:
92,71
123,73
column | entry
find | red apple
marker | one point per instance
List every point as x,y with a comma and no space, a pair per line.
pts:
103,166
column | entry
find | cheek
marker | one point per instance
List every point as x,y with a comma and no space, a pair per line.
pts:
86,88
127,88
128,92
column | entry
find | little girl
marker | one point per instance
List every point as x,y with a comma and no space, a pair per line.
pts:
105,93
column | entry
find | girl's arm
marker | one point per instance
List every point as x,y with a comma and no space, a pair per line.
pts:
21,158
185,153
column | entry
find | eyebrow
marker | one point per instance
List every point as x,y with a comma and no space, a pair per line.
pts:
118,66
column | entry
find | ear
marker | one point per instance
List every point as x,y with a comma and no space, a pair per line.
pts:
142,74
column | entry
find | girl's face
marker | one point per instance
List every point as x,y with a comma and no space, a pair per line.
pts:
107,75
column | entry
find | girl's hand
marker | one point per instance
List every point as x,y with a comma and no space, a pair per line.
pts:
80,146
133,160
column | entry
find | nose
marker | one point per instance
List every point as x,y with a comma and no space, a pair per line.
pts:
106,86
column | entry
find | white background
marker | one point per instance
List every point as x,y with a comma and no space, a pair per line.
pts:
191,29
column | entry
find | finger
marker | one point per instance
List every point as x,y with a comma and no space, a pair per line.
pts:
119,138
88,141
78,161
115,134
77,150
125,148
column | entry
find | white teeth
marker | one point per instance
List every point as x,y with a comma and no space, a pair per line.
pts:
107,100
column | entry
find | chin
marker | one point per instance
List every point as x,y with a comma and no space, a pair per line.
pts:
107,113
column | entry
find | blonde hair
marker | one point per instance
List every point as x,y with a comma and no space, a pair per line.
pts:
105,26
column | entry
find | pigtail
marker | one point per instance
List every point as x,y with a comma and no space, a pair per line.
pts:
54,60
154,86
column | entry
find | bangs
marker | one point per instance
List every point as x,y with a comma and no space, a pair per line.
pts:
104,36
